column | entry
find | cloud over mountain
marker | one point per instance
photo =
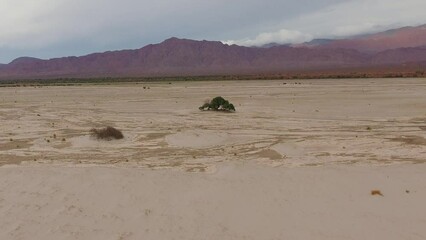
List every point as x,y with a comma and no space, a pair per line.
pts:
282,36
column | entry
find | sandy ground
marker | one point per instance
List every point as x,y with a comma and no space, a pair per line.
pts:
238,201
296,161
317,122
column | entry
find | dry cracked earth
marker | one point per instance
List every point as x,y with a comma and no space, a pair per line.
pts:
290,123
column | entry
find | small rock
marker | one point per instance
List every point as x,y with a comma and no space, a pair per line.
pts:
376,193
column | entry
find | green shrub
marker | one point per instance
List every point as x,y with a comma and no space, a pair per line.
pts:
218,104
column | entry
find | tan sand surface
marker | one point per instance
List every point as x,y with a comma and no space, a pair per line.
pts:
317,122
238,201
296,161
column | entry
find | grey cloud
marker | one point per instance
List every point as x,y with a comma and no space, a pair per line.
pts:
53,28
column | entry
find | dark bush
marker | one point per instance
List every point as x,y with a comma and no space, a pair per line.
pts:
218,104
107,133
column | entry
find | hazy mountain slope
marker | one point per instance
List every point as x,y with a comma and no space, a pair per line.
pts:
373,43
184,57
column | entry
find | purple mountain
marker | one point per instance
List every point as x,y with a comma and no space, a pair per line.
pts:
183,57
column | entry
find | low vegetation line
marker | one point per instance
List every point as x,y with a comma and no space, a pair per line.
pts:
115,80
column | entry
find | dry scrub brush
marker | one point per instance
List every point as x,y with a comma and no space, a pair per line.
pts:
107,133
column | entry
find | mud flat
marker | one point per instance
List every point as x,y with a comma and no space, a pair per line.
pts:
298,159
316,122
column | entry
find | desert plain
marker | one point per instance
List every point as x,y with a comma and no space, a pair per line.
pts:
297,160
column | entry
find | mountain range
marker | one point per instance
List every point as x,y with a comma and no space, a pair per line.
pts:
395,48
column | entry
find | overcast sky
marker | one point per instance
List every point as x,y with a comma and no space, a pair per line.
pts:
55,28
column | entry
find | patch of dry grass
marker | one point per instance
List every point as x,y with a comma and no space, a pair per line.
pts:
107,133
